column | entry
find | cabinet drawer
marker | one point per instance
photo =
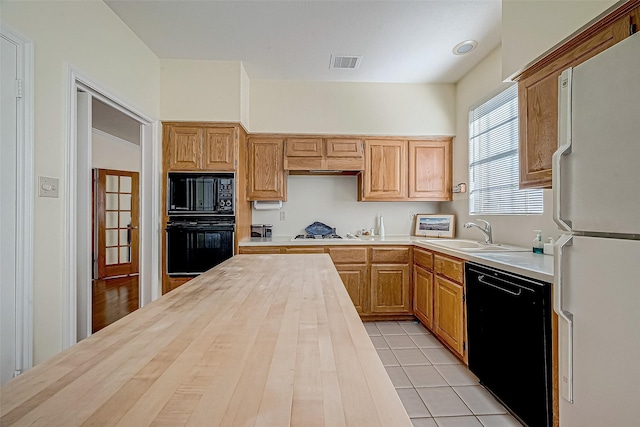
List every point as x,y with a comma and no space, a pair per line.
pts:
345,147
449,267
390,255
259,250
315,250
348,255
304,147
423,258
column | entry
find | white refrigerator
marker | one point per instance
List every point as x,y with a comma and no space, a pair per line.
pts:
596,186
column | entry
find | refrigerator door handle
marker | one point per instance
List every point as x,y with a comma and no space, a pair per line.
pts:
565,322
564,145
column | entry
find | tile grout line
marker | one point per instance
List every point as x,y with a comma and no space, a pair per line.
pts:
430,363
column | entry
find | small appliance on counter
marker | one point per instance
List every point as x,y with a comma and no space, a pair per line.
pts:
261,230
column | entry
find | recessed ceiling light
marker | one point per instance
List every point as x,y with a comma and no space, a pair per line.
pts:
464,47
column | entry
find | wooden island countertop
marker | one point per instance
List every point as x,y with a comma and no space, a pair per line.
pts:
260,340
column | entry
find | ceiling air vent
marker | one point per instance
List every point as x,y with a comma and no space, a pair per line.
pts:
345,62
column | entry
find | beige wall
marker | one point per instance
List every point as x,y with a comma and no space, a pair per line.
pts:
479,84
111,152
357,108
333,201
89,37
531,27
200,90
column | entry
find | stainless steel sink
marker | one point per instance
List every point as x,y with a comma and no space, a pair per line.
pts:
473,246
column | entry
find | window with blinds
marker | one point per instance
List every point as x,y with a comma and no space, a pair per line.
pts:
493,159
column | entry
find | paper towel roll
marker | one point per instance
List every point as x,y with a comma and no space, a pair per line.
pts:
263,205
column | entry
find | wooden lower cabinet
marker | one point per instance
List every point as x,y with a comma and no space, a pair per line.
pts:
390,288
448,316
354,277
378,279
423,295
175,282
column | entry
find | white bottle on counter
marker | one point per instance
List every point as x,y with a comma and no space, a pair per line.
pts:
381,227
548,247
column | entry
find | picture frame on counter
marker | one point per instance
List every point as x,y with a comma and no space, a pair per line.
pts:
435,225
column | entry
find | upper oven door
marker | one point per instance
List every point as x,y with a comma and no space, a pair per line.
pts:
200,194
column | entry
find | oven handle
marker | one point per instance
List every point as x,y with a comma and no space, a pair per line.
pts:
200,227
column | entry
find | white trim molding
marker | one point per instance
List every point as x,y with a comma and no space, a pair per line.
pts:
149,204
25,200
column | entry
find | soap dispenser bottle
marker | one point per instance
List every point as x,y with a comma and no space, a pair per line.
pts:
538,246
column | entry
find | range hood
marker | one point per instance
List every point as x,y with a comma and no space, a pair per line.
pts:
324,156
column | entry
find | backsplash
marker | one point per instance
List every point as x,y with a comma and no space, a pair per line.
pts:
333,201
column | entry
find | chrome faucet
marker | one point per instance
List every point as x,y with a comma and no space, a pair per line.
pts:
486,230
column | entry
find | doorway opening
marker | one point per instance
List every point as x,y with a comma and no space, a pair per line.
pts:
98,119
16,204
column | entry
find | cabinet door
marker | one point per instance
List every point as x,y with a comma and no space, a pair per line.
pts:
171,283
423,295
184,148
219,149
538,108
390,288
448,316
385,172
354,277
430,170
266,171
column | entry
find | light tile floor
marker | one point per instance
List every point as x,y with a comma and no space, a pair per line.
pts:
437,390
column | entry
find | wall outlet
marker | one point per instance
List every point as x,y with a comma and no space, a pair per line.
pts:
283,216
47,187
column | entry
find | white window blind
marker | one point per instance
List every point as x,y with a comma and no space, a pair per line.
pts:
493,159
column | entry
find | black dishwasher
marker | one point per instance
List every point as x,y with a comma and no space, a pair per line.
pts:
509,339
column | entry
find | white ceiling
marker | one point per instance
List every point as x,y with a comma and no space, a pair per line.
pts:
400,41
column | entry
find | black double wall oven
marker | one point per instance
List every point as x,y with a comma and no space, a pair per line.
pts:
201,226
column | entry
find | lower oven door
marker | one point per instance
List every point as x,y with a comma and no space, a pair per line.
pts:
194,248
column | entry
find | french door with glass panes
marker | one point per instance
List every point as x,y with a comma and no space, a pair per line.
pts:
115,290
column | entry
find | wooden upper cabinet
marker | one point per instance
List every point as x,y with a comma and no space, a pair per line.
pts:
385,173
218,149
345,147
430,170
538,91
266,170
183,147
304,147
323,154
199,147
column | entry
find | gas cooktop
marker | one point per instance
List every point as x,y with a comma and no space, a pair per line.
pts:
316,236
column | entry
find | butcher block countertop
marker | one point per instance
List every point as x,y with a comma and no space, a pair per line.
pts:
260,340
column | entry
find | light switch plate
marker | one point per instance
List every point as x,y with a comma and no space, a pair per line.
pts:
47,187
